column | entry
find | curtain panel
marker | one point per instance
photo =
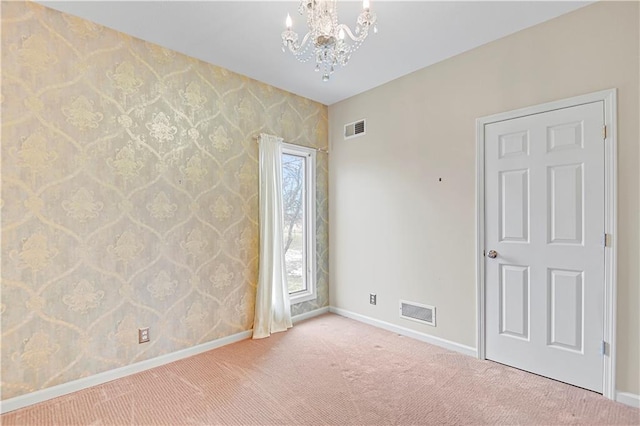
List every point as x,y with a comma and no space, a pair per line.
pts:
273,311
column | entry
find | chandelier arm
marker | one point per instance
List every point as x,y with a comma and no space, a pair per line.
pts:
300,48
353,37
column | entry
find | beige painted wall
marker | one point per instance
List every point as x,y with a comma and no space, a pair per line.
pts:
129,197
398,231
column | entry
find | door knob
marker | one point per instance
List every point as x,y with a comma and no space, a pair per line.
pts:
492,254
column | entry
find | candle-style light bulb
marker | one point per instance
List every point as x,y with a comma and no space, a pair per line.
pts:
365,4
341,34
289,23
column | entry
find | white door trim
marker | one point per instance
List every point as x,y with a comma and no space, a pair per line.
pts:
611,202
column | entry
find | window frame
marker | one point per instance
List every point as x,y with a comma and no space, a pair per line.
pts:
309,155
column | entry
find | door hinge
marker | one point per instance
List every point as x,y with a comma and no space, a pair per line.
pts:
603,348
606,240
604,132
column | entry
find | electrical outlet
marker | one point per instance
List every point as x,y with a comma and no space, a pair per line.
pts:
372,298
143,335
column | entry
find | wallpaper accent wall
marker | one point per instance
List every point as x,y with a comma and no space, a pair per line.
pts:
129,197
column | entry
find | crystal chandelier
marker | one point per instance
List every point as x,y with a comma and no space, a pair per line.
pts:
326,40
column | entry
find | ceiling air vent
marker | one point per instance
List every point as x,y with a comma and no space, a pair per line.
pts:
417,312
357,128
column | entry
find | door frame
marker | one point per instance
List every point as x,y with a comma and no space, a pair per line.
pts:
609,97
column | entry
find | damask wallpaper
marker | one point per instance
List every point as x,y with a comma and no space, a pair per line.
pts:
129,197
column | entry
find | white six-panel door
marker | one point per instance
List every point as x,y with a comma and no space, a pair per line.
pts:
544,222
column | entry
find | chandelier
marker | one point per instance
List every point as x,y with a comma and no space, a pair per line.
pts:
326,42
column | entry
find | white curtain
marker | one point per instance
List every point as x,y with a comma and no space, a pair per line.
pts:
273,313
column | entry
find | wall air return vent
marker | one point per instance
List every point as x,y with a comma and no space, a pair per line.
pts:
417,312
357,128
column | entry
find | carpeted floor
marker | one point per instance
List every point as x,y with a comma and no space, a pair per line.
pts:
329,370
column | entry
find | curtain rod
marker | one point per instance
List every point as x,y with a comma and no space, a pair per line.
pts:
257,139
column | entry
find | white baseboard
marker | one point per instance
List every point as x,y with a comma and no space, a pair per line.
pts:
21,401
309,314
107,376
627,398
447,344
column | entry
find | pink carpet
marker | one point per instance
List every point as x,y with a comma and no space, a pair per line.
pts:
329,370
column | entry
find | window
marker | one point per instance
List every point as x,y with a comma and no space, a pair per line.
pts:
298,195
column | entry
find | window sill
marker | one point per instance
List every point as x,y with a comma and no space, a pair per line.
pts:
301,297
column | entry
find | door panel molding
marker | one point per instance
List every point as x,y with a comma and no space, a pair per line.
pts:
608,97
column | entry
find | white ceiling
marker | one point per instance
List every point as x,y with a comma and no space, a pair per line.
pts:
244,36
